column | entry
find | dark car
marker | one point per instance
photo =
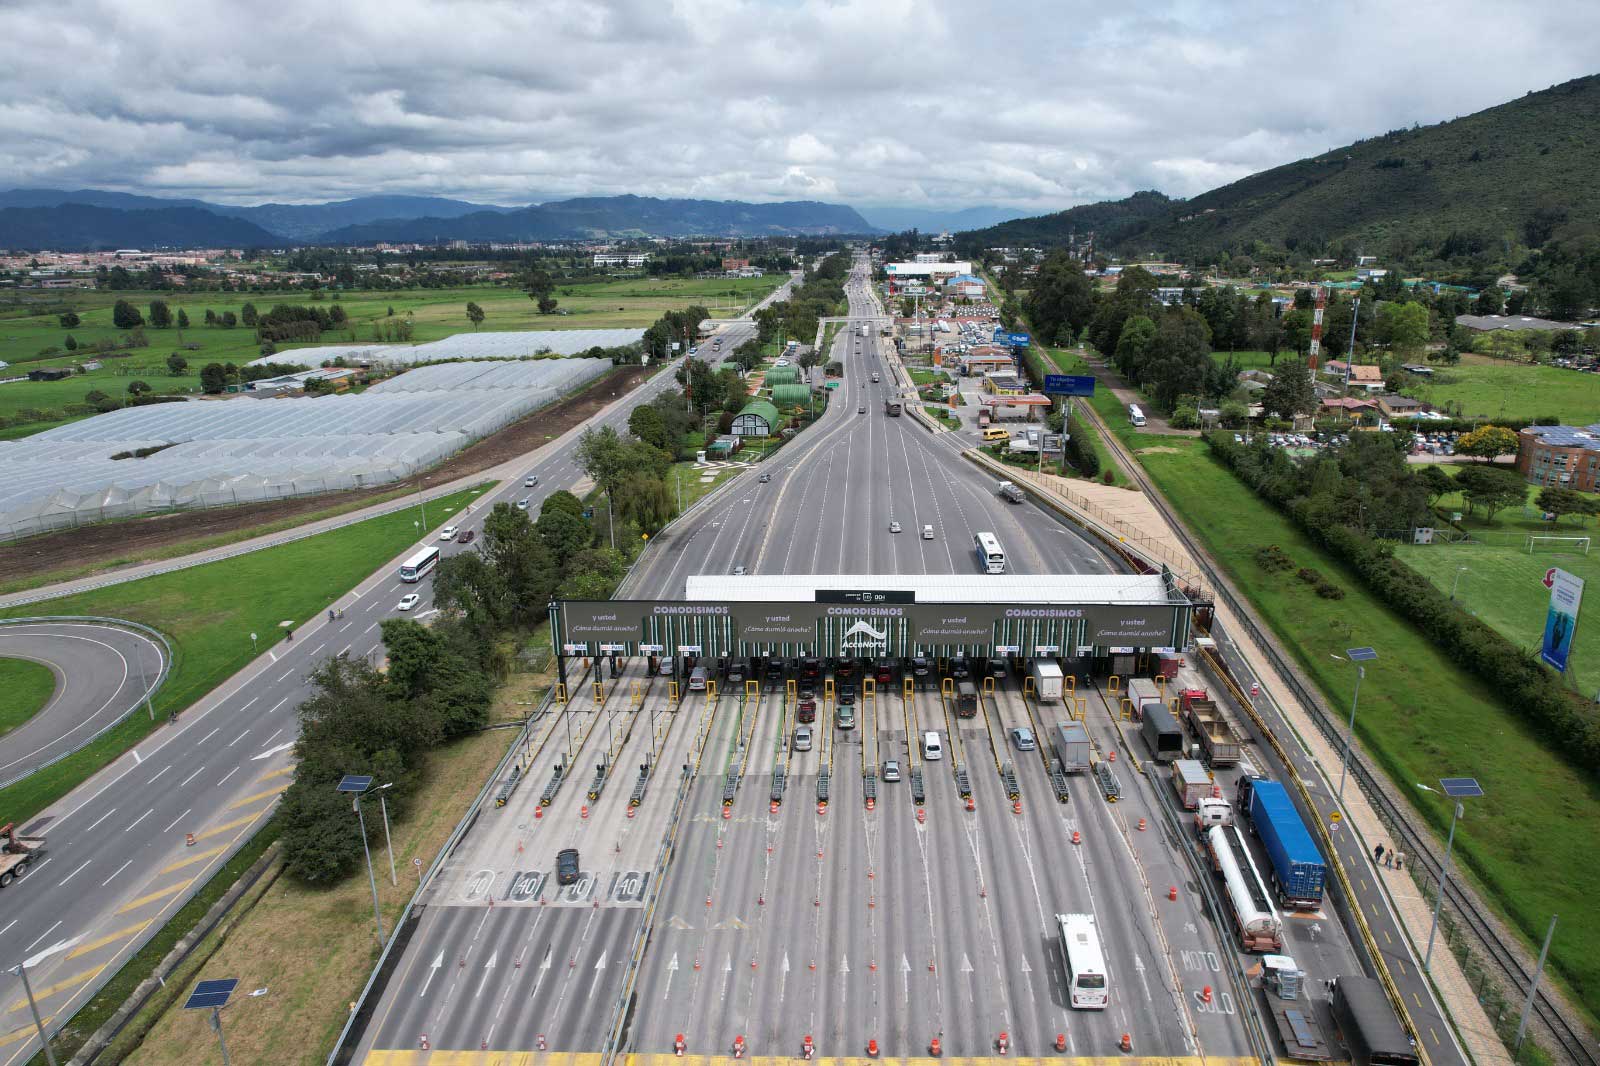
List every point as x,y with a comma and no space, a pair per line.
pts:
847,695
919,669
810,669
885,674
998,669
465,536
845,668
567,870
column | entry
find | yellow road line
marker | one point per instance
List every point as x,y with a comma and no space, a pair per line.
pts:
274,773
225,826
60,986
160,893
199,856
25,1032
258,796
121,934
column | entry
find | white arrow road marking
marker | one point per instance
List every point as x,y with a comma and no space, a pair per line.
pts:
599,969
727,975
544,968
783,982
488,969
905,976
270,752
433,970
672,968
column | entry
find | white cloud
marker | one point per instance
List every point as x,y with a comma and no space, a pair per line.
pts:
1036,105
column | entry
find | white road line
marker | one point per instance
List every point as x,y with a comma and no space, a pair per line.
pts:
139,819
73,874
191,777
370,628
156,778
208,736
100,819
225,777
273,737
176,820
246,707
42,935
344,649
287,674
110,879
7,929
238,738
280,703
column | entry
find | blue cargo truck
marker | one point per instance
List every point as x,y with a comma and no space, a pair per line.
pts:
1297,868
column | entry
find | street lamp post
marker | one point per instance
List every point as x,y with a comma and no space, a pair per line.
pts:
1456,788
383,805
215,996
356,784
21,970
1459,571
1357,656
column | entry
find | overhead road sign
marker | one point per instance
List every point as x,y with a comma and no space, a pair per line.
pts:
1069,385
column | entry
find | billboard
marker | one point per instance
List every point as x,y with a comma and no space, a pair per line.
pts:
1561,619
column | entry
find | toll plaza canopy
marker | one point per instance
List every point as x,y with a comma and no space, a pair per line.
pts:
867,615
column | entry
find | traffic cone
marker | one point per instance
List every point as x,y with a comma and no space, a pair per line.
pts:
1141,825
772,808
1205,994
188,840
1111,756
543,1046
933,1047
738,1047
1004,1043
971,806
1172,892
538,812
425,1045
583,812
922,816
1016,806
1076,838
806,1046
872,1048
1061,1041
1127,1042
677,1045
727,813
630,810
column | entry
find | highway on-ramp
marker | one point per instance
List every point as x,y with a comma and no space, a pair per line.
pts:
119,862
103,673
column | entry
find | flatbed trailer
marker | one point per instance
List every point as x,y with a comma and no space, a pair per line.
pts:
1218,742
1293,1015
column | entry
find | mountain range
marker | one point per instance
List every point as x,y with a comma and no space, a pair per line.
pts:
95,219
1515,175
900,219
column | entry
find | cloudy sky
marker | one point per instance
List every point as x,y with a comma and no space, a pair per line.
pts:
930,103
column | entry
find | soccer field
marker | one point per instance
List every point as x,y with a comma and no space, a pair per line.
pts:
1504,586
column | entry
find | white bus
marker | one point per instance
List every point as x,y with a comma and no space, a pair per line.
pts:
414,568
1086,968
991,556
1135,415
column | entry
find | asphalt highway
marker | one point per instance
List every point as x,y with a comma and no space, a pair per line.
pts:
120,860
774,921
102,671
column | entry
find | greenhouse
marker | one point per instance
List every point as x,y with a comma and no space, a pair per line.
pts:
211,453
787,396
511,344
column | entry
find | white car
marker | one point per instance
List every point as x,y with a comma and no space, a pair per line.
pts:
894,527
522,504
530,481
447,533
408,601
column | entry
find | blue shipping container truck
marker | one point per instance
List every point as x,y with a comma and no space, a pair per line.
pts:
1297,867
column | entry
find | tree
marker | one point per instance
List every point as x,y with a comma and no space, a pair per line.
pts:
1488,443
414,653
1296,328
562,500
1491,488
474,314
183,319
602,456
1133,345
467,583
547,305
518,555
1179,360
1433,478
1290,392
71,343
647,502
177,365
537,283
1403,326
160,315
70,320
138,388
125,316
646,423
565,533
96,398
248,315
211,317
213,378
1561,501
229,320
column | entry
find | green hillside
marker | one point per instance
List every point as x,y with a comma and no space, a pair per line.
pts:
1111,221
1485,187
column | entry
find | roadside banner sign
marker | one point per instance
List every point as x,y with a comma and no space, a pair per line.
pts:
1561,619
1068,385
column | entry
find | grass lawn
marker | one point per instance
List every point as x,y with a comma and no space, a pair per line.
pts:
1530,840
1503,585
1511,525
26,328
28,687
1513,390
1251,360
943,415
208,613
686,477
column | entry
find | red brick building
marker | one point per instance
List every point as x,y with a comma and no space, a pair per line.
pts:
1567,456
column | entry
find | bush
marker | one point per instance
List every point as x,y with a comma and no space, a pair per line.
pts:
1108,476
1273,559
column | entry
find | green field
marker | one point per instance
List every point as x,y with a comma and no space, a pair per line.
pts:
208,613
1513,390
1503,585
1530,839
28,687
29,327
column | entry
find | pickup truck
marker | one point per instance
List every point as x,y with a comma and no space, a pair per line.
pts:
16,853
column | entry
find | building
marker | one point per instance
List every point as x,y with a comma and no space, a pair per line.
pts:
758,419
935,271
1489,323
1566,456
1004,383
50,373
1350,406
735,264
1401,406
627,259
965,286
1360,376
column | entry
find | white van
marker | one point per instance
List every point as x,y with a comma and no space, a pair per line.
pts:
927,532
932,748
697,679
1135,415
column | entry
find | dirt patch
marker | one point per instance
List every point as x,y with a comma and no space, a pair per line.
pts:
138,540
1158,450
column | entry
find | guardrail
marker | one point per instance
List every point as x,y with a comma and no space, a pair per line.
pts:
358,1011
149,693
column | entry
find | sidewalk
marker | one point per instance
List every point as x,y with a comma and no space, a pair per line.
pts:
1132,515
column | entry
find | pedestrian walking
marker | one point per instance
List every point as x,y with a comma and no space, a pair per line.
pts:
1400,860
1377,853
1388,859
288,634
330,614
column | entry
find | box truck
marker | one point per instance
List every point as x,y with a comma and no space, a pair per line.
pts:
1141,693
1162,734
1047,680
1070,741
1191,782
